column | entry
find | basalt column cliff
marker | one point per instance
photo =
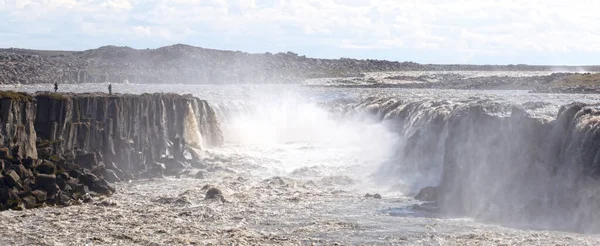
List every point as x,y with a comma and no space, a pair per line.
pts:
131,133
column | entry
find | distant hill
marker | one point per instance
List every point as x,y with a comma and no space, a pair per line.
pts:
188,64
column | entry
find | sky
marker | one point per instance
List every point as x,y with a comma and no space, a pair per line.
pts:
547,32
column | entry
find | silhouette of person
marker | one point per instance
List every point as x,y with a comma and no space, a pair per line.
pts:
55,87
109,89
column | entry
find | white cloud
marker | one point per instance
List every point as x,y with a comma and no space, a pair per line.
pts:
475,27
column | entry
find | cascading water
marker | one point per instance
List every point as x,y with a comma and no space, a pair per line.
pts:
300,134
495,161
192,131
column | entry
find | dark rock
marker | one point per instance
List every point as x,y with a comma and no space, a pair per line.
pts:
12,179
28,162
46,167
47,182
24,172
79,190
75,173
29,202
111,176
4,153
63,176
99,170
88,161
102,187
214,193
64,199
428,194
40,195
376,195
172,163
88,179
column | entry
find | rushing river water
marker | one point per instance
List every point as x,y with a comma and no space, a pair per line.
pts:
295,168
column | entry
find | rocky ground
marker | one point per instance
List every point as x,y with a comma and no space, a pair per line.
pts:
580,83
187,64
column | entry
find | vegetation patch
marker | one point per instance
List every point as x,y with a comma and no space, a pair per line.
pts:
587,79
16,96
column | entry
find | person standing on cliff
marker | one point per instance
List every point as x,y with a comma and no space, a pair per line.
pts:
55,87
109,89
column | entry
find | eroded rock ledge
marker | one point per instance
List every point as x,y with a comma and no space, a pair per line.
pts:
58,148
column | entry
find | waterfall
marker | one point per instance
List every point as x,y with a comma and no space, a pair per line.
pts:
192,132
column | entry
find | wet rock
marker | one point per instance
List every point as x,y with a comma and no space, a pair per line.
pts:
172,163
111,176
214,193
102,187
428,194
64,199
40,195
201,174
106,203
179,201
376,195
29,202
275,181
88,179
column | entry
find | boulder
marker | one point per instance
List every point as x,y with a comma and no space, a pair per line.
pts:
102,187
427,194
88,161
376,195
75,174
214,193
111,176
63,199
47,182
46,167
12,179
24,172
40,195
88,179
29,202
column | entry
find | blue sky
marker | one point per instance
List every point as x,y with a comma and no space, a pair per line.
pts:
434,31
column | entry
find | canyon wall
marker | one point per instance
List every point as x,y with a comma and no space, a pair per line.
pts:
133,133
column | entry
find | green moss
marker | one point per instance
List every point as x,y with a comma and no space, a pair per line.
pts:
54,158
17,96
55,96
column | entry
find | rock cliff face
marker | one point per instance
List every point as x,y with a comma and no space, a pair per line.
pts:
133,132
498,161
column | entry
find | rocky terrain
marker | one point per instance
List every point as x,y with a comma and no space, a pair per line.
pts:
446,80
60,148
187,64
